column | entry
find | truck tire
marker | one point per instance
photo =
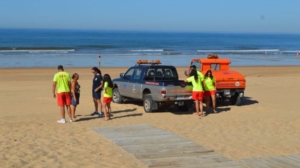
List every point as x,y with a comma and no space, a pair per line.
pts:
183,108
236,100
149,104
117,97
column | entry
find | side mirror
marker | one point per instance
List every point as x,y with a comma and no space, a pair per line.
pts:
121,75
185,73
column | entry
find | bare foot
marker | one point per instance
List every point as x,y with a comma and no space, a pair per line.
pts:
106,119
196,114
202,114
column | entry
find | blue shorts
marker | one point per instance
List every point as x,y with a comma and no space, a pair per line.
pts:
96,95
73,101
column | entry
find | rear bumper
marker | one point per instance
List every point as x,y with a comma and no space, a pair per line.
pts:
229,92
175,98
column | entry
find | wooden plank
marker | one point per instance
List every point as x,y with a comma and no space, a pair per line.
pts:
211,160
254,163
159,148
285,161
294,158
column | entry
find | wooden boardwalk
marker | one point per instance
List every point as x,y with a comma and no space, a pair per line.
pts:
159,148
291,161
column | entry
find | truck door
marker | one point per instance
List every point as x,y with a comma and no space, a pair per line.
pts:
136,84
125,85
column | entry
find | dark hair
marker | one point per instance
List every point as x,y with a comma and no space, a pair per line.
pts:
195,74
211,76
75,75
193,67
106,78
60,67
96,70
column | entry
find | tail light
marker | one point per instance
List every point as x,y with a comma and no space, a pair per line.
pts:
163,93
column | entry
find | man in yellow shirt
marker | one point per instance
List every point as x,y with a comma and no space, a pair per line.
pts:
61,83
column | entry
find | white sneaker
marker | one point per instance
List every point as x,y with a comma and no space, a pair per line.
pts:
62,121
70,119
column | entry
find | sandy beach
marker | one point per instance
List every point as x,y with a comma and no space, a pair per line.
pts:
268,124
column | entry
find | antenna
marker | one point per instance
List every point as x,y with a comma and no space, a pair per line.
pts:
99,60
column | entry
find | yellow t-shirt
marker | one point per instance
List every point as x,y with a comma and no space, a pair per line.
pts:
197,85
209,83
107,90
200,74
62,80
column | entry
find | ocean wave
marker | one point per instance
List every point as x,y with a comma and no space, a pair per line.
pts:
37,51
240,51
148,50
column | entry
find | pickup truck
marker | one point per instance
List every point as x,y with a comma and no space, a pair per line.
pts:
230,85
158,86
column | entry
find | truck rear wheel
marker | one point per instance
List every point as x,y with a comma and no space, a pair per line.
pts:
184,107
117,97
149,104
236,100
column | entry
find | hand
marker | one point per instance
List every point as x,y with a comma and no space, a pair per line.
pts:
96,90
54,95
75,99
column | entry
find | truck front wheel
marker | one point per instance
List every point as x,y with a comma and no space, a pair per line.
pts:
117,97
149,104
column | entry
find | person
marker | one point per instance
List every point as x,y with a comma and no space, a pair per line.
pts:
107,97
96,91
75,94
197,93
61,84
210,90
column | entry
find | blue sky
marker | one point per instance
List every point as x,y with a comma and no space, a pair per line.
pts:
154,15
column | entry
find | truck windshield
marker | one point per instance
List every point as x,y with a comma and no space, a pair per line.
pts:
161,73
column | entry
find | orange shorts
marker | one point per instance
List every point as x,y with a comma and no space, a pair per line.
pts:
197,95
63,99
107,99
209,93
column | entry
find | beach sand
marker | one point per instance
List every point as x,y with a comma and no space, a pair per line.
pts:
268,124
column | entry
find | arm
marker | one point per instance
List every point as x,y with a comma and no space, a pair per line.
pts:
53,89
98,88
73,90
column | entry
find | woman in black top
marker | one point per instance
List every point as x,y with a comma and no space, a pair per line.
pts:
96,91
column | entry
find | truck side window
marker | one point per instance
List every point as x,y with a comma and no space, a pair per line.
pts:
129,73
215,67
137,74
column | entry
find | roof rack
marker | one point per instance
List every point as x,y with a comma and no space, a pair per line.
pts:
212,56
148,62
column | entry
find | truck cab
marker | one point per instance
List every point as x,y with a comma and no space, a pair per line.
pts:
230,85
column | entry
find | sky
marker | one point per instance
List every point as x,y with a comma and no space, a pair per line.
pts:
258,16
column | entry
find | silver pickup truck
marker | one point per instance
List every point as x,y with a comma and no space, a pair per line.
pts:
156,85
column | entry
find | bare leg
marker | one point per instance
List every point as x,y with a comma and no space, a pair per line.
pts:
197,107
201,108
213,97
99,105
69,111
73,109
106,114
109,110
62,112
207,102
96,105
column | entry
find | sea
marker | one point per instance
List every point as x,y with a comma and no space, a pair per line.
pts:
87,48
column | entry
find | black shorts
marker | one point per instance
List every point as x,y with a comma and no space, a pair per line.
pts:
96,95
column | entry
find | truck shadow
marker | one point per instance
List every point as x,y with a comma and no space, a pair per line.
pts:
246,102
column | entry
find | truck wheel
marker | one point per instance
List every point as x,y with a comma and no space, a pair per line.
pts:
184,108
236,100
117,97
149,104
